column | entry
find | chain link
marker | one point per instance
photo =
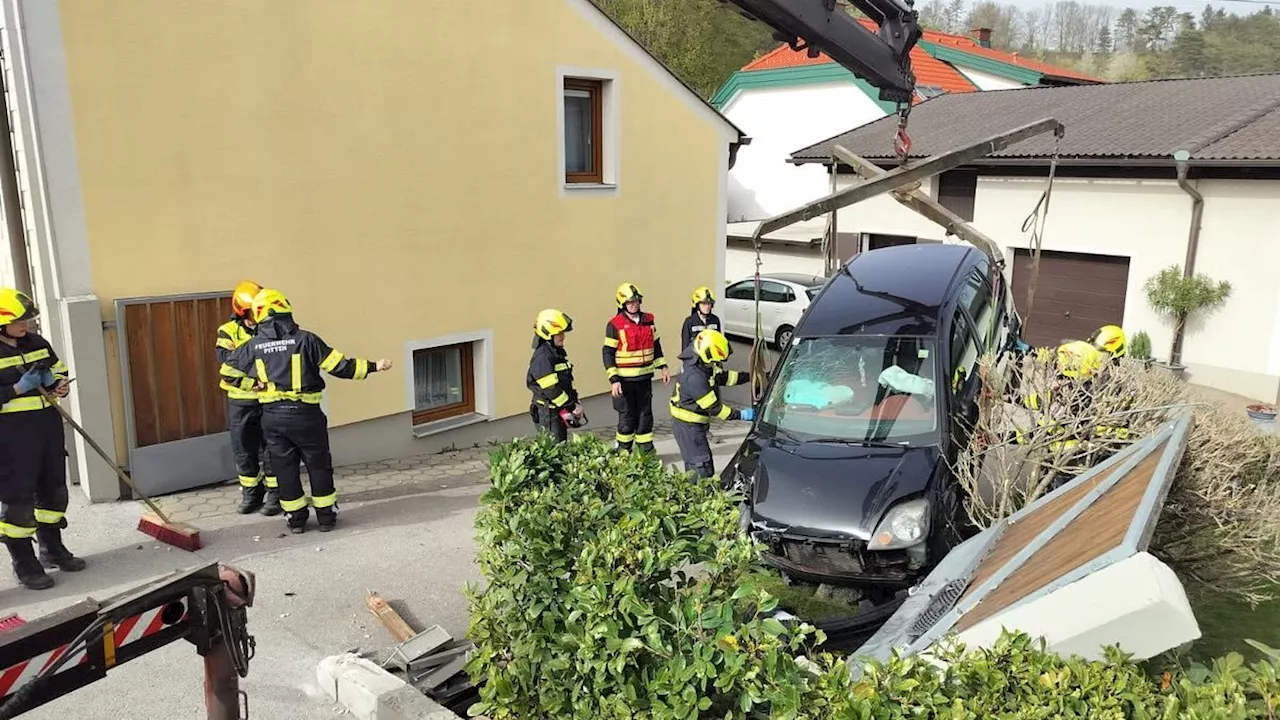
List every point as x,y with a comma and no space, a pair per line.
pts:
901,140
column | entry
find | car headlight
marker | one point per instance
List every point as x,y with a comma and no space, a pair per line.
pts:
904,525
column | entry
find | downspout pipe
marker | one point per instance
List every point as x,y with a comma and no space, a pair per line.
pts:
11,199
1182,159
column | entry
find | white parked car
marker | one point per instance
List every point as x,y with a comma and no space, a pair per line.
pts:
783,299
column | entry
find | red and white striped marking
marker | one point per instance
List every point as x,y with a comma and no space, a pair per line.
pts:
22,673
131,629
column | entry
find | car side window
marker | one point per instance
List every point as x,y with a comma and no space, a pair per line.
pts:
744,290
964,350
976,299
773,292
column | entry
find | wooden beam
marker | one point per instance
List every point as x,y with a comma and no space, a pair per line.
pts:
926,206
907,174
389,618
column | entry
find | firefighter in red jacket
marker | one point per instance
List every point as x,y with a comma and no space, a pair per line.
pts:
33,455
244,413
632,354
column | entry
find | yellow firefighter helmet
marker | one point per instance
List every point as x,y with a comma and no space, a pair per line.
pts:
268,303
703,294
1111,339
16,306
627,292
711,346
551,322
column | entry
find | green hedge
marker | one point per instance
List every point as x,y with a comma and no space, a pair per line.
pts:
616,589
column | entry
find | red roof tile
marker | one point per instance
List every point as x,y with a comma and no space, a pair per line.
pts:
929,71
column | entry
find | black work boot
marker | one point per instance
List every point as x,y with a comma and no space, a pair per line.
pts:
53,554
327,517
250,499
645,448
25,565
271,503
297,520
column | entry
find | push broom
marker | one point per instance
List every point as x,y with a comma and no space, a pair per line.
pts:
156,524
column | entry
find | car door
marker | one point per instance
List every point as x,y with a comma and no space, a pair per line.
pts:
774,298
739,308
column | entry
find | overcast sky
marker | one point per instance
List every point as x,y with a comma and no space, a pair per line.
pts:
1194,6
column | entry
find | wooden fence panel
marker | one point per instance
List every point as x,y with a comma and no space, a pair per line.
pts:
173,375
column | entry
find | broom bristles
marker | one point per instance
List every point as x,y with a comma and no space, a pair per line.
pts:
178,535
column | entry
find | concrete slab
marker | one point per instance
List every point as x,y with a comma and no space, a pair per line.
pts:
370,693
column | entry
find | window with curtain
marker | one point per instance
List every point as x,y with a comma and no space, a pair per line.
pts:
443,383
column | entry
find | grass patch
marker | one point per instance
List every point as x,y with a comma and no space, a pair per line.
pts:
1225,624
799,600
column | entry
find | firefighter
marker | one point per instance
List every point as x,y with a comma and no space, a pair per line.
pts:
695,399
632,353
555,407
700,318
244,413
284,363
1111,339
33,456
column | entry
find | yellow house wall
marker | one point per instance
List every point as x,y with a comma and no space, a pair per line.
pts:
390,165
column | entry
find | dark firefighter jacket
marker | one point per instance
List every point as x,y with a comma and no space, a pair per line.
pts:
695,324
550,377
289,360
231,335
695,399
632,349
32,351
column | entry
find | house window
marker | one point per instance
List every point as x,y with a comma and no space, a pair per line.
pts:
583,131
444,383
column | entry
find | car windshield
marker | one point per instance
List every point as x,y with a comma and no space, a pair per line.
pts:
856,388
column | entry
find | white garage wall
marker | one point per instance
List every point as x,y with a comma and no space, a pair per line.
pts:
987,81
780,121
884,215
740,262
1148,221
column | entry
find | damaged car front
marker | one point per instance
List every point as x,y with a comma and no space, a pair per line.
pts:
845,466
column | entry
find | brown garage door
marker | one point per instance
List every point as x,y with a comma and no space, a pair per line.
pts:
1076,294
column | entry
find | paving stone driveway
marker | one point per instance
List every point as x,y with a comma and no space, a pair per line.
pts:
367,480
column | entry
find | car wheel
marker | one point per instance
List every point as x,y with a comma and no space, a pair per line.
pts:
783,336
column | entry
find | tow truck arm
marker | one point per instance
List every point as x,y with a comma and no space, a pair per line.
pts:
69,649
821,26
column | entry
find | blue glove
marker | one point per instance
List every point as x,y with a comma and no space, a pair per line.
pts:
28,382
748,414
47,379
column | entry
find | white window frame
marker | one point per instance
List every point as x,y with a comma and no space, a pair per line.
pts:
610,130
482,361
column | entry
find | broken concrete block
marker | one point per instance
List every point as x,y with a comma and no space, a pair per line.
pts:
370,693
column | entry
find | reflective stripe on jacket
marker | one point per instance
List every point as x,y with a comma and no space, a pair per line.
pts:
231,335
289,361
550,376
30,351
632,348
695,399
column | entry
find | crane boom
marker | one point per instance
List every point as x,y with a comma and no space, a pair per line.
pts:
881,58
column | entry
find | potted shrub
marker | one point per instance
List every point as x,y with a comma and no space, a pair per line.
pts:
1178,297
1140,347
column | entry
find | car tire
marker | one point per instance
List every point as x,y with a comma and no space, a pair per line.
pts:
783,337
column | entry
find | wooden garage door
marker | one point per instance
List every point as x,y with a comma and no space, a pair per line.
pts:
1077,293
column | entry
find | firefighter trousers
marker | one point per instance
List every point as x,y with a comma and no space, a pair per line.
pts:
249,444
548,419
695,447
33,473
298,433
635,413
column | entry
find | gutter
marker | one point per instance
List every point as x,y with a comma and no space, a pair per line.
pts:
1036,162
1182,160
735,146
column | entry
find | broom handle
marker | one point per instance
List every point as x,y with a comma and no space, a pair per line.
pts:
105,458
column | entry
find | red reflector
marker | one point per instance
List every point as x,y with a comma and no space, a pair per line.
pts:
11,622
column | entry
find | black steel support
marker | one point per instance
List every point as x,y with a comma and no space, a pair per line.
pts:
906,175
882,59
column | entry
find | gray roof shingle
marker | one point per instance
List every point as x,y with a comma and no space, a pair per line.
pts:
1225,119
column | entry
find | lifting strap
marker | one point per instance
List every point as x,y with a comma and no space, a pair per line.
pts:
1034,223
757,360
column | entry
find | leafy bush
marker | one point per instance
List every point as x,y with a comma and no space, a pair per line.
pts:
1220,527
1169,292
594,609
1140,346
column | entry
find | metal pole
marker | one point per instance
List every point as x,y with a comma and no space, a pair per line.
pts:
907,174
221,683
11,198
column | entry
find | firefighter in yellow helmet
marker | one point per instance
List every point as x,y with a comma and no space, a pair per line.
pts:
33,456
284,363
632,354
700,318
258,485
555,407
1110,339
695,399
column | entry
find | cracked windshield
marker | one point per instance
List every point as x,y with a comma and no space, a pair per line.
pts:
863,388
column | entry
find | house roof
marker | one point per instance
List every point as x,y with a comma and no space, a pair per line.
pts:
1228,120
928,70
934,41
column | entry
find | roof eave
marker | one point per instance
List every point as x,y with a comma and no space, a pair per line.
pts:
1044,161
